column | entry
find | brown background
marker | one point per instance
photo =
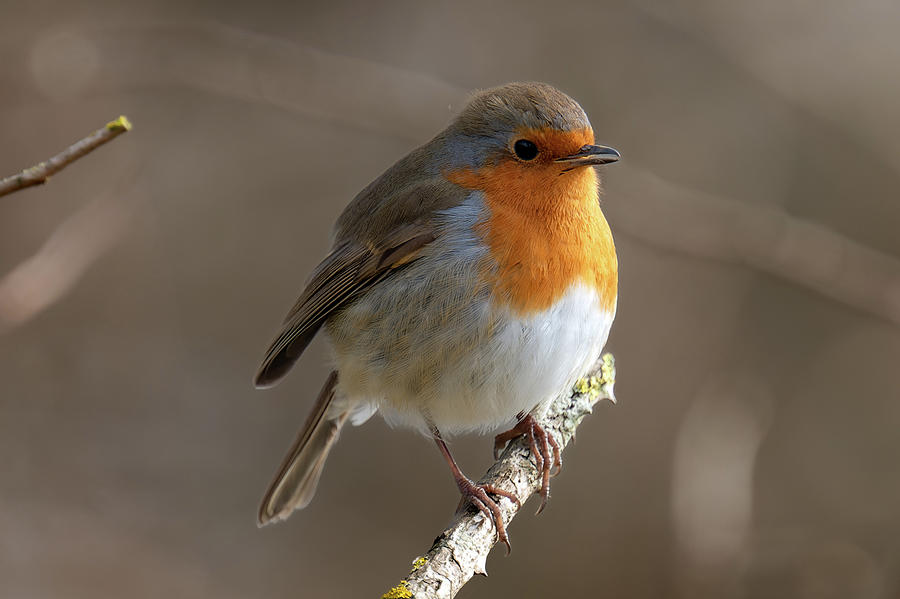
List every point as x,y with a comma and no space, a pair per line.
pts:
754,449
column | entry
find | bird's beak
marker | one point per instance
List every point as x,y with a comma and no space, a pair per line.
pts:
589,156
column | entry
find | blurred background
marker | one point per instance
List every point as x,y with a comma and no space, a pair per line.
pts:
753,452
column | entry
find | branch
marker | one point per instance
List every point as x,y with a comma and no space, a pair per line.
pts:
37,175
461,551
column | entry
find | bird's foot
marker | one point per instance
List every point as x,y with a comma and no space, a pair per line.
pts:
477,495
544,449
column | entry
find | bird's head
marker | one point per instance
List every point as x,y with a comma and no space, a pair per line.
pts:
528,126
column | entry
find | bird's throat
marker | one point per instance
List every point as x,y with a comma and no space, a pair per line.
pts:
545,232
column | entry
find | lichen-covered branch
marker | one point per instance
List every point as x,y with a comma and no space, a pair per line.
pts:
461,551
36,175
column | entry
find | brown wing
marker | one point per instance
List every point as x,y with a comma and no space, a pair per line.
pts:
348,270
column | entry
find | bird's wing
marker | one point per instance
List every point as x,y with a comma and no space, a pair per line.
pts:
350,268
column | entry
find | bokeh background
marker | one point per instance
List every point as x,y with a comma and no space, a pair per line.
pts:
754,449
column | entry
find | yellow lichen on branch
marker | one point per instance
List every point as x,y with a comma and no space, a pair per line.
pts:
398,592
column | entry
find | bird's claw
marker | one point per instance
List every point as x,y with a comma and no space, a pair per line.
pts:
477,495
544,449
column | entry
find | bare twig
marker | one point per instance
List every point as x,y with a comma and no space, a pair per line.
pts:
37,175
461,551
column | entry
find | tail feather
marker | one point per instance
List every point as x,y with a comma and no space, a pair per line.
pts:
295,484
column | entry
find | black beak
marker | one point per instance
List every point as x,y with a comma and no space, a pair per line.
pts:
590,156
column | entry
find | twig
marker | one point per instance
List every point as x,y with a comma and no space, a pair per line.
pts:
461,551
37,175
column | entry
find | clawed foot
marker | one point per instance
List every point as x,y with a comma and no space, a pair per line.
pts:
477,495
544,449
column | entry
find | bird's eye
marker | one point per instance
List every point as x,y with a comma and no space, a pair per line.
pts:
526,150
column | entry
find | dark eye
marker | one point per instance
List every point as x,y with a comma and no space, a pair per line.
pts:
526,150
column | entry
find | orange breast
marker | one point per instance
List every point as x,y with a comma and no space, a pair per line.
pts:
545,232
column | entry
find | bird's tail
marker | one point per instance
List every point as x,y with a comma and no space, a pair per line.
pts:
295,483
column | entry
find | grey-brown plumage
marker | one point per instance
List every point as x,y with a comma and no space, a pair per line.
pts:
345,272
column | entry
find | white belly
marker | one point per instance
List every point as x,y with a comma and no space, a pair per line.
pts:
477,383
520,368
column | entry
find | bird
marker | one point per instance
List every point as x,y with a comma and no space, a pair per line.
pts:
465,287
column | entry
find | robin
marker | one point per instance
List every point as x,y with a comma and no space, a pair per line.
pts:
465,287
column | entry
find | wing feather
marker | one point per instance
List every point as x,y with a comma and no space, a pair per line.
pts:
347,271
